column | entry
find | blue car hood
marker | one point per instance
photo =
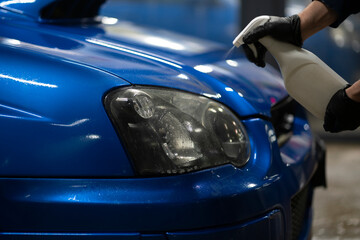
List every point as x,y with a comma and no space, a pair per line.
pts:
155,57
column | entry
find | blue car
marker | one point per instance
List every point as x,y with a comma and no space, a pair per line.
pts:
114,131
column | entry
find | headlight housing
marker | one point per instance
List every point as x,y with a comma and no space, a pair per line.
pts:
169,132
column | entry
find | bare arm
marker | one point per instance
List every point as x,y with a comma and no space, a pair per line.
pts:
315,17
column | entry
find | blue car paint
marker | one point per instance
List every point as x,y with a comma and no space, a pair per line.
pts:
64,173
189,17
35,104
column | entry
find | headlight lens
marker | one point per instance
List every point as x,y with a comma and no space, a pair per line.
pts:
171,132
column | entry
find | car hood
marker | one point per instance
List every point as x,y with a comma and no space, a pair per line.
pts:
155,57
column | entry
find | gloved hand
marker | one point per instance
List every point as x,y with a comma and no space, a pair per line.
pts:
286,29
342,113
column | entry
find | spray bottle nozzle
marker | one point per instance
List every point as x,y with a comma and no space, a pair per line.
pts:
238,41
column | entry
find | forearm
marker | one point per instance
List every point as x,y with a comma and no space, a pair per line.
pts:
315,17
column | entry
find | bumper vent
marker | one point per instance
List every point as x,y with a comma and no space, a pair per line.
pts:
299,211
71,9
282,118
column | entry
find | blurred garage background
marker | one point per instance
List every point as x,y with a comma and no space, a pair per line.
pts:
337,209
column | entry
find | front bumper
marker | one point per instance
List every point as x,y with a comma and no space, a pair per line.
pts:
254,202
271,226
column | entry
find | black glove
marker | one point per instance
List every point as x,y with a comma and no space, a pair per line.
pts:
342,113
285,29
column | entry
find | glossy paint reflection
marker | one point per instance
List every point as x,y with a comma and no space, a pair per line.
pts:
28,7
14,2
32,82
117,47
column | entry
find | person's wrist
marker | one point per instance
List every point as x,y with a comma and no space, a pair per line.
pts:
353,92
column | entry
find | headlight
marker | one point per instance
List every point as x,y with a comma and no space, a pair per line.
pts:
172,132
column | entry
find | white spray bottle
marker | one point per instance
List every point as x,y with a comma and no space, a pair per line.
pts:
307,79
